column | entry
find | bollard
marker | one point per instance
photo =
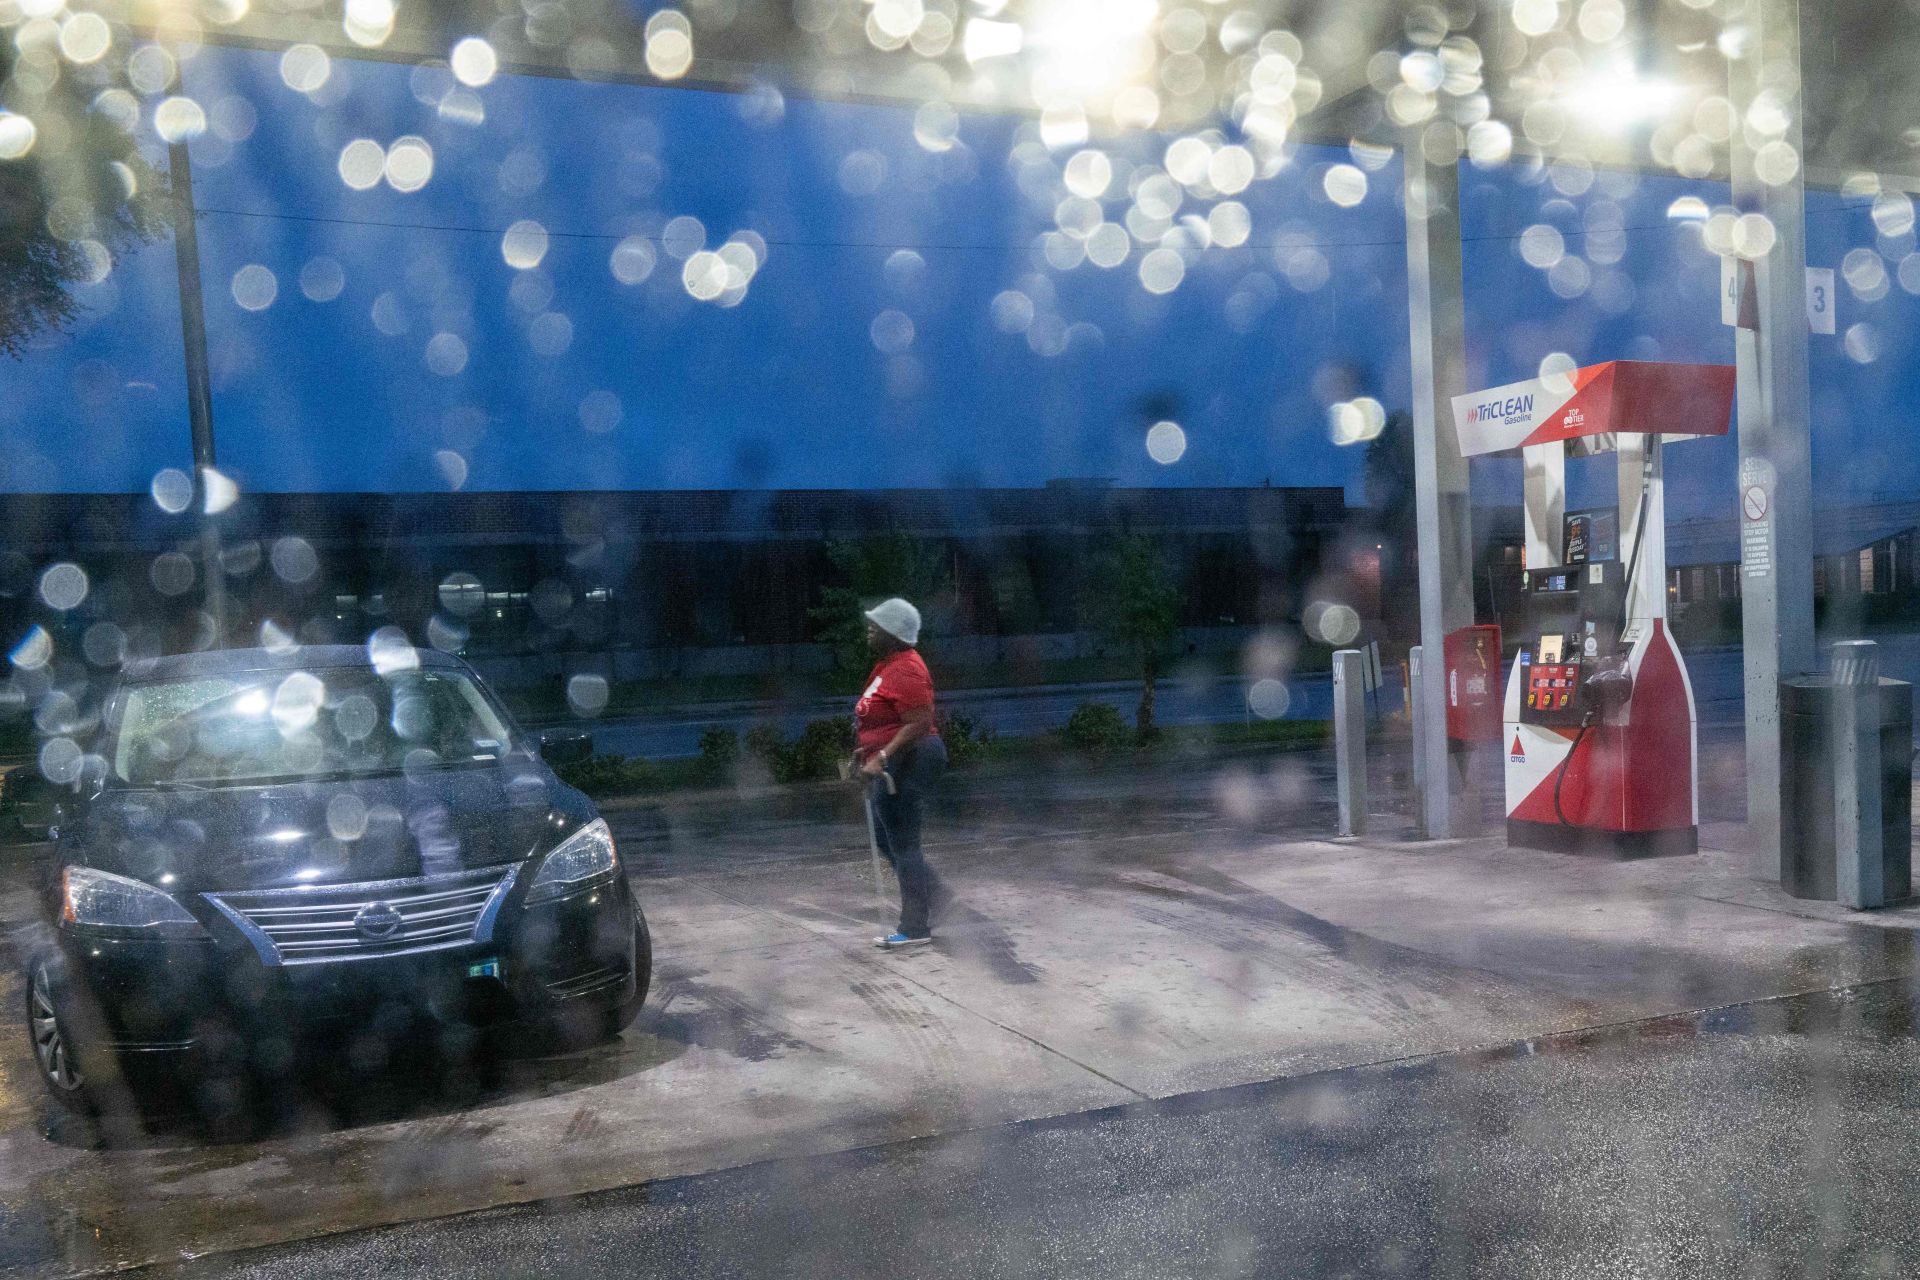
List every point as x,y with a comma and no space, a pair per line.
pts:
1858,856
1350,739
1418,706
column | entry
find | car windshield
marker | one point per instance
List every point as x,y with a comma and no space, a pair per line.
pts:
269,726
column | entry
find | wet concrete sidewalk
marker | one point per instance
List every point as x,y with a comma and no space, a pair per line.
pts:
1120,936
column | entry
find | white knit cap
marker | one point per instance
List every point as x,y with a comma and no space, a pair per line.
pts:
897,618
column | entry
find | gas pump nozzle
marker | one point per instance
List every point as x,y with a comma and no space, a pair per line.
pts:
1610,687
1605,691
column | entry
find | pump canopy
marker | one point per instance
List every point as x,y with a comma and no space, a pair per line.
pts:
1639,397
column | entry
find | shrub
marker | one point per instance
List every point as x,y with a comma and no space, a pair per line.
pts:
767,744
823,744
816,753
1097,729
606,775
968,742
719,749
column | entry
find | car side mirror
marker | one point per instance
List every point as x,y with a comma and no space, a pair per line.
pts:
566,746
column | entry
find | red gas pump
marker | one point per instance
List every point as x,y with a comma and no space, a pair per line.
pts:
1598,722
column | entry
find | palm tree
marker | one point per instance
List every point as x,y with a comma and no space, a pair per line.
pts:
1132,599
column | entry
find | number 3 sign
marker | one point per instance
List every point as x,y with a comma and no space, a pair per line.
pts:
1820,299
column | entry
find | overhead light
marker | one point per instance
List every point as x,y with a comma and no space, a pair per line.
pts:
1619,100
1088,50
985,39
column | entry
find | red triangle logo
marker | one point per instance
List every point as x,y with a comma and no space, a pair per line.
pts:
1518,753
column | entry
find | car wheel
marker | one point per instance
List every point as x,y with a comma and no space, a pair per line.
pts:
54,1051
622,1016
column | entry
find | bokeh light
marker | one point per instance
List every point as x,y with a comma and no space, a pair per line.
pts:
363,162
172,490
474,62
63,586
1166,443
1268,698
524,245
255,287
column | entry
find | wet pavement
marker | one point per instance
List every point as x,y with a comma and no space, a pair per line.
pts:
1772,1139
1125,935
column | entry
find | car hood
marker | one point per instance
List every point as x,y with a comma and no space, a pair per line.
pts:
329,832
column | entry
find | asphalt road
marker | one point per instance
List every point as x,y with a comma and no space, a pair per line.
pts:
1769,1139
675,731
1717,676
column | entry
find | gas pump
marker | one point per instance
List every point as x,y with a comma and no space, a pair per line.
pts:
1599,717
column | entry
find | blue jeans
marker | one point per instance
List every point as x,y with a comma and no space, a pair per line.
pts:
896,829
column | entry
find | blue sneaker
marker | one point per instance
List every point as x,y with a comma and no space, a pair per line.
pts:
899,941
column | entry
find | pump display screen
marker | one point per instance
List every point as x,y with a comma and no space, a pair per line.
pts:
1554,614
1549,649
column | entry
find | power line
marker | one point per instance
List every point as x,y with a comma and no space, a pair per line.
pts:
997,247
994,247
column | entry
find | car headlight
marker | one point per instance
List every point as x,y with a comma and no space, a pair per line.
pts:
582,858
102,900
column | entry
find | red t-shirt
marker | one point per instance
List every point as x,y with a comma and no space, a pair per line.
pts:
899,683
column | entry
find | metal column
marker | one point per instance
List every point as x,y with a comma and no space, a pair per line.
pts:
1350,739
1641,478
1438,323
1776,466
193,335
1417,707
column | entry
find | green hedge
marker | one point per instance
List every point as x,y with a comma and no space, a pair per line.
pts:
1095,732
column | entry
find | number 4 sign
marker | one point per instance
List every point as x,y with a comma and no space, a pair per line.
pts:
1820,299
1739,305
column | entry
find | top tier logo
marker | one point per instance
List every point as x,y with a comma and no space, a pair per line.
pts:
1573,419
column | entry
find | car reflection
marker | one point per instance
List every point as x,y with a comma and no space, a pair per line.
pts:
268,851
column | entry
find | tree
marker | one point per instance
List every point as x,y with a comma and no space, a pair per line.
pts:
1132,599
870,570
76,193
1388,472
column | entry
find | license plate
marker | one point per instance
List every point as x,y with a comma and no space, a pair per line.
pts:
484,969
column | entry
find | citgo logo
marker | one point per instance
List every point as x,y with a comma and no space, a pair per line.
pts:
1519,753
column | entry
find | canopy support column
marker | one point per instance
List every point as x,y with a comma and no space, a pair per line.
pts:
1776,465
1436,315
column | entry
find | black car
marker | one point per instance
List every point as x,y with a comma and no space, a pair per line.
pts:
261,841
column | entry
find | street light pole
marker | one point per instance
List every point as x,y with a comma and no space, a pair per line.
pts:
193,335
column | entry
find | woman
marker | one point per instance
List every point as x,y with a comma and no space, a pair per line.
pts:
898,741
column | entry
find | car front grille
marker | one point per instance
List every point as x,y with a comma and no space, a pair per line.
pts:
367,921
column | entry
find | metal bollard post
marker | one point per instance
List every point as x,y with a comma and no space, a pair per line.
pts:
1350,739
1859,870
1419,706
